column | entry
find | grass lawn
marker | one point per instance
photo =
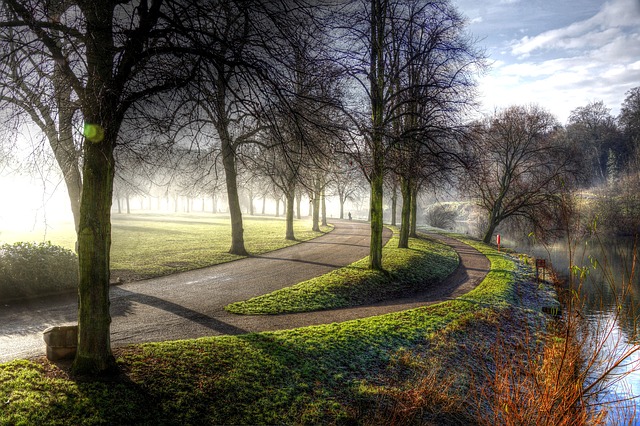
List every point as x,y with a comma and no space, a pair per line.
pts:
424,264
346,373
147,245
173,243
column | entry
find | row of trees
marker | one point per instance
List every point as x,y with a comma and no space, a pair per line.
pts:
288,87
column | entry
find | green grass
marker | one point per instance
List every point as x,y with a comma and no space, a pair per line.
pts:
152,245
148,245
424,264
313,375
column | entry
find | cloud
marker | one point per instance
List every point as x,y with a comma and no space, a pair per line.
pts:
613,19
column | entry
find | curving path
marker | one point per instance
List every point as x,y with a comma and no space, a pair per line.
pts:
191,304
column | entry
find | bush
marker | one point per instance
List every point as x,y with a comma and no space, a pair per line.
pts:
443,217
36,269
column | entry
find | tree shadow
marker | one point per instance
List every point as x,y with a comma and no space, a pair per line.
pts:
120,306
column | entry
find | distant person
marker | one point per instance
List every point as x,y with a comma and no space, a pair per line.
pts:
349,215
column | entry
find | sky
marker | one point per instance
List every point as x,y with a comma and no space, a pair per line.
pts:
559,54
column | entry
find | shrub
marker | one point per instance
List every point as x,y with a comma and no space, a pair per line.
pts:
441,216
36,269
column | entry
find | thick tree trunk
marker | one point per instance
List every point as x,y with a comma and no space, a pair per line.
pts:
94,245
406,213
491,228
298,202
237,232
341,207
377,83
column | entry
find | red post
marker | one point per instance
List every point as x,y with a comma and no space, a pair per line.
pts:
498,240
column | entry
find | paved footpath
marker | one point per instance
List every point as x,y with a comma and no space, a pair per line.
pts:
191,304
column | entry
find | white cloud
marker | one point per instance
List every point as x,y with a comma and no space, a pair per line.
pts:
567,67
614,17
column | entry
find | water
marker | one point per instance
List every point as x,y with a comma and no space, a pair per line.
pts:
610,289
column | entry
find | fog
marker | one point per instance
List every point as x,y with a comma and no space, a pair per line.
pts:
31,205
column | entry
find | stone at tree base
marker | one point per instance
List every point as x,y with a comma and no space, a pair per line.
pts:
61,342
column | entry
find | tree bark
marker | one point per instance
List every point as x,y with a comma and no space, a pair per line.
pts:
94,245
298,202
394,203
316,209
413,231
376,79
237,232
291,199
324,208
405,189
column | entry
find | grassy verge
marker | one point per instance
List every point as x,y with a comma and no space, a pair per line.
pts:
425,263
353,372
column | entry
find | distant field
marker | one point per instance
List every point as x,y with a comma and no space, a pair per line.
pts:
153,244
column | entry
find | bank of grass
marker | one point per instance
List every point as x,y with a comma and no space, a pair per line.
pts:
330,374
407,271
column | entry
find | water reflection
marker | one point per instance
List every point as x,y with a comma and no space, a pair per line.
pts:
610,289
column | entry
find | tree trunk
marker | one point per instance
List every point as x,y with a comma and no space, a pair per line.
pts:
119,205
94,246
488,235
413,231
298,202
264,204
316,209
231,175
251,196
324,208
64,149
291,198
214,203
277,207
494,221
127,202
406,213
237,232
394,203
377,82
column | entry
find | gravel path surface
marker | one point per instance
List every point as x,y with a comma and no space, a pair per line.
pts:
191,304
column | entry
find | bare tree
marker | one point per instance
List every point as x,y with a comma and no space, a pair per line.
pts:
416,77
520,164
593,132
105,56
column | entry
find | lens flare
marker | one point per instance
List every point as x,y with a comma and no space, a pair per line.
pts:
93,132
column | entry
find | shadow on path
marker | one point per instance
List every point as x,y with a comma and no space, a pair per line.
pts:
125,298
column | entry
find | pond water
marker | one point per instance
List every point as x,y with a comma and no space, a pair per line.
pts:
610,290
